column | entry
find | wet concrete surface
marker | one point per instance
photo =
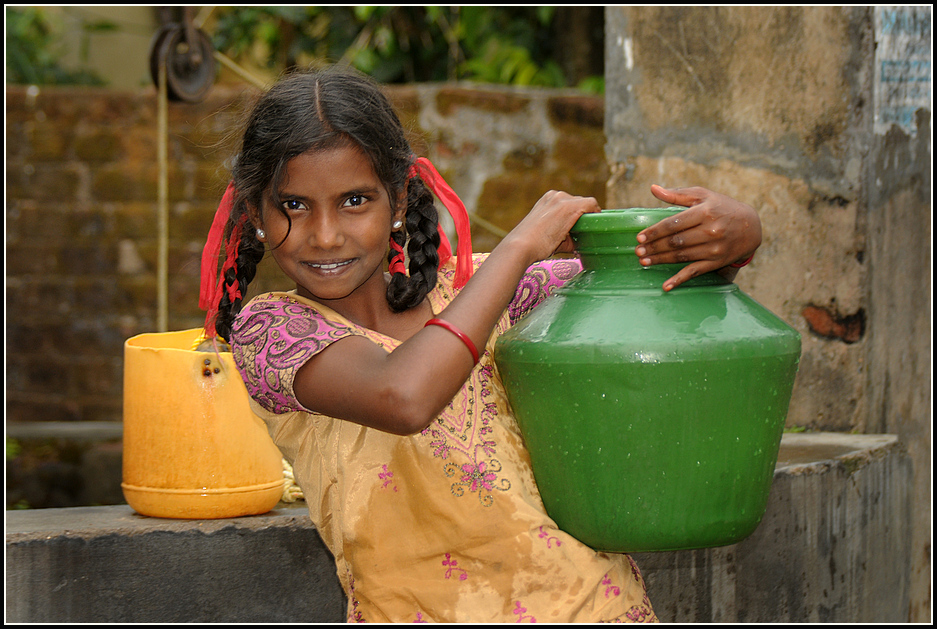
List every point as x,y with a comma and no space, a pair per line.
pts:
815,448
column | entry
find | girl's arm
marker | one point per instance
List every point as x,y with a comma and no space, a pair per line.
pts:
715,232
403,391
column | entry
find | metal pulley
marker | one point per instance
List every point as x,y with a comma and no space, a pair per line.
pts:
187,54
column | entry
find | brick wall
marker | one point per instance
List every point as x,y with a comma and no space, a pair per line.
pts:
82,212
82,239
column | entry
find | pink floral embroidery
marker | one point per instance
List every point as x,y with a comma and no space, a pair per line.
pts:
550,538
635,572
610,589
388,477
519,612
452,563
480,477
641,613
475,475
467,436
419,617
354,614
638,613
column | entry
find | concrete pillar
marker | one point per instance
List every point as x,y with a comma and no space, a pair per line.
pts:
815,117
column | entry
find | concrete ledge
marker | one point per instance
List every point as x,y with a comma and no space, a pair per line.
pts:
834,546
108,564
76,431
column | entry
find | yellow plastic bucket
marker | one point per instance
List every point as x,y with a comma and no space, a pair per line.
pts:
192,446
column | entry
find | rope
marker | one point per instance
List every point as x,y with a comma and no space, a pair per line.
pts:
494,229
241,72
291,491
162,258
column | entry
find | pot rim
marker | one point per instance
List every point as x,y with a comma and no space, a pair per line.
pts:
623,220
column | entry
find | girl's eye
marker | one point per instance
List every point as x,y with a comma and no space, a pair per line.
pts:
355,200
293,204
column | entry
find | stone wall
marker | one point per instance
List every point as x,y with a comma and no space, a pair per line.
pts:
814,116
82,212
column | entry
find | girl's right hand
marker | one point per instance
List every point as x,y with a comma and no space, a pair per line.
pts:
545,229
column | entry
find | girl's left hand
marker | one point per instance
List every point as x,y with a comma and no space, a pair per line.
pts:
713,233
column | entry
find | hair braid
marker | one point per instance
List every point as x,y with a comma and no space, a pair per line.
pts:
422,220
250,253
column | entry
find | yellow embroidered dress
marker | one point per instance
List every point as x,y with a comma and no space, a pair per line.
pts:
446,525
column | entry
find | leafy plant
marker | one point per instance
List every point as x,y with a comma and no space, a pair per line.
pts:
510,45
592,85
13,448
33,49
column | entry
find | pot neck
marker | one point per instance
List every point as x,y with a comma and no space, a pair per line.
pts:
606,242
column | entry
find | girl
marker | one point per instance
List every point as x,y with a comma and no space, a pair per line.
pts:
379,387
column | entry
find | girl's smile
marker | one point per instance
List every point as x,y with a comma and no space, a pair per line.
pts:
330,234
328,267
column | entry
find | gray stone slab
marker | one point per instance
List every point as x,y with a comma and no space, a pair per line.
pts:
108,564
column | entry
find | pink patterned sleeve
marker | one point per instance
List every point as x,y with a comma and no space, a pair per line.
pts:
272,337
539,282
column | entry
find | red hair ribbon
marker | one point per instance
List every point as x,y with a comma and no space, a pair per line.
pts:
460,217
396,263
212,282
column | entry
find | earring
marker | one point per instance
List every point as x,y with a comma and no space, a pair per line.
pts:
398,224
261,234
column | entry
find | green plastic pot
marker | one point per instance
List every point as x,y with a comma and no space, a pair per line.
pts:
653,419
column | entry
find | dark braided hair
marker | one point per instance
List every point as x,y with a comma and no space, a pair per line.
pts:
250,253
404,292
319,110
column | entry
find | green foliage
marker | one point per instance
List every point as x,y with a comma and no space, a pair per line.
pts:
33,54
13,448
594,85
503,62
512,44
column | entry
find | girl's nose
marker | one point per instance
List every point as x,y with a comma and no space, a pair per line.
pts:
327,232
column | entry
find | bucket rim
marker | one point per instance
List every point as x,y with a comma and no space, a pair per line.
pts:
175,340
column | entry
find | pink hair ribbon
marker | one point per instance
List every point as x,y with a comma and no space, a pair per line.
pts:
460,217
211,281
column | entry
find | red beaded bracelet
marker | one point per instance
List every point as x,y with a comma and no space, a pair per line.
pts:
459,333
739,265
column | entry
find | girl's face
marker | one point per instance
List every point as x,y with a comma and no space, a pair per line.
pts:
341,218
